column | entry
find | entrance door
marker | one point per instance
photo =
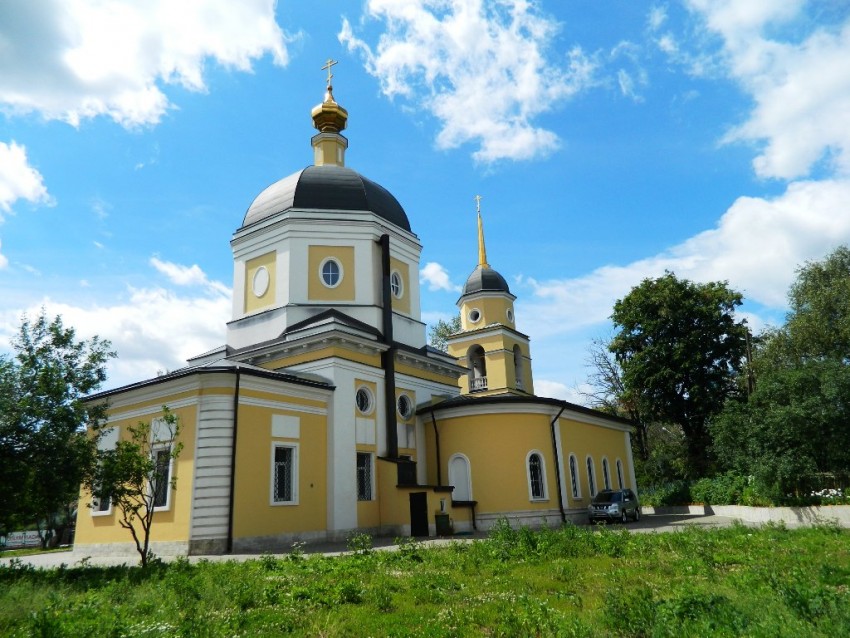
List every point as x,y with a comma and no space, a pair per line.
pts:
459,478
419,514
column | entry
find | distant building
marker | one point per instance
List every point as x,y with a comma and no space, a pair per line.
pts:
326,412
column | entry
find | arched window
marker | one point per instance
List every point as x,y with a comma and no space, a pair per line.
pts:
606,475
574,476
477,369
620,474
536,476
591,479
459,478
518,368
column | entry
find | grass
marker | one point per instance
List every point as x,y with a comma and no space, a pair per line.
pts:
769,581
30,551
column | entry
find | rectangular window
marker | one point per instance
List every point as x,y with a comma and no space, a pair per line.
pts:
284,475
161,479
364,476
101,505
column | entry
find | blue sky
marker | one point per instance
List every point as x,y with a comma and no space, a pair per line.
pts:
610,141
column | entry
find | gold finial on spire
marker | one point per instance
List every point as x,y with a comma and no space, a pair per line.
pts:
482,251
329,94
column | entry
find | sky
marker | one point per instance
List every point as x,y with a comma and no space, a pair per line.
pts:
610,141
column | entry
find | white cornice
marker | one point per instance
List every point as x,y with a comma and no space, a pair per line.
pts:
475,408
282,405
306,224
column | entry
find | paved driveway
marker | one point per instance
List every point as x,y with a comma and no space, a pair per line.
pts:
648,523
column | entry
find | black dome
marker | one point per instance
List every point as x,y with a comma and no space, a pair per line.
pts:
327,188
484,278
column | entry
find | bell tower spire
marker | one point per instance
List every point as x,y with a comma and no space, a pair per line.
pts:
330,119
495,353
482,250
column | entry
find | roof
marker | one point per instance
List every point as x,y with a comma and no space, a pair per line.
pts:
218,367
327,187
484,279
467,400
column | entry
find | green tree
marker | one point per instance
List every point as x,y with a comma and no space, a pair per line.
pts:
13,447
680,348
792,433
607,392
137,475
45,414
439,333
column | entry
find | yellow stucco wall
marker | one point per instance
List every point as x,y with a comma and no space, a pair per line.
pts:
170,525
323,353
497,446
492,309
583,440
254,514
252,303
395,501
402,303
499,360
403,368
316,290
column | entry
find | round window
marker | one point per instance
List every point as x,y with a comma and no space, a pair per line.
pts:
510,315
363,400
405,407
330,271
260,283
396,284
474,315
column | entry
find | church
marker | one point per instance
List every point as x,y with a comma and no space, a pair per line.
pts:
326,413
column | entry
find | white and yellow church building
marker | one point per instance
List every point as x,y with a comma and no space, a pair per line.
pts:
326,412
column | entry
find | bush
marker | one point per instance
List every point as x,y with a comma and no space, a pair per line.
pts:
673,493
726,489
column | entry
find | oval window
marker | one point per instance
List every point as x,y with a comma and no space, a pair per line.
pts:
396,284
363,400
260,283
331,272
405,407
474,315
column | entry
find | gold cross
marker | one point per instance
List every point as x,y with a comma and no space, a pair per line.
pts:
328,66
478,199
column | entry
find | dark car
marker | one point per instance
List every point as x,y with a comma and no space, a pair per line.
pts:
614,505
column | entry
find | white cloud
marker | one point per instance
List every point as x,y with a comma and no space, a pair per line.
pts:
437,278
187,275
100,208
756,246
800,84
19,180
657,17
4,261
153,329
557,390
483,69
76,59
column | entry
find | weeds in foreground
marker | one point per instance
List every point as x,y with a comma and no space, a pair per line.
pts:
769,581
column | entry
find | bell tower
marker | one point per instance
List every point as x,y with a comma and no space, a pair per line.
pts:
497,356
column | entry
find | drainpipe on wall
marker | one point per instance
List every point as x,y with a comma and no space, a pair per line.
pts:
437,448
557,454
388,357
233,464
